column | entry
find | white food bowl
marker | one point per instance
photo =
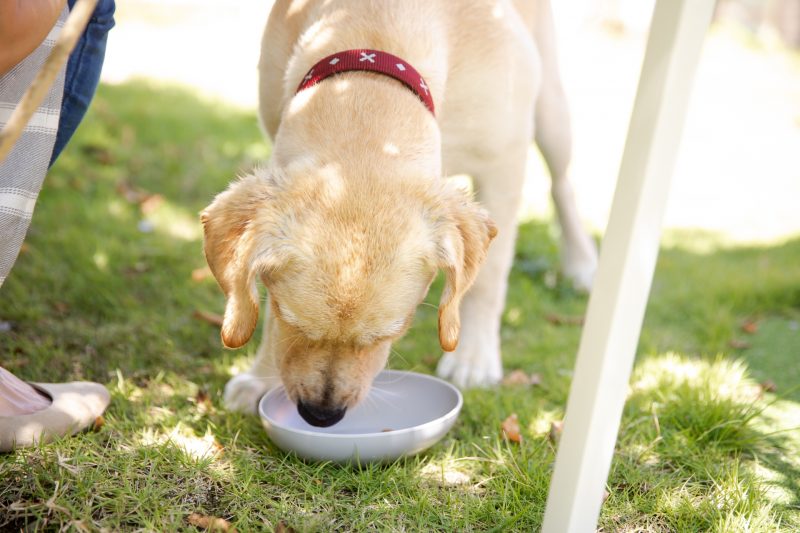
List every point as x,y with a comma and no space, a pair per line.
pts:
403,414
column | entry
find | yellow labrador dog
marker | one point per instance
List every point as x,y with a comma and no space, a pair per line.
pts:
370,104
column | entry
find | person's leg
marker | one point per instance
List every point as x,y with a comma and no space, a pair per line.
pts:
41,412
83,72
18,397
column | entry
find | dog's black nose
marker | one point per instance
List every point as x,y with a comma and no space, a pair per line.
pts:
318,415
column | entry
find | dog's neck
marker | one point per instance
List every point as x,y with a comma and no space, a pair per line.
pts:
391,27
353,113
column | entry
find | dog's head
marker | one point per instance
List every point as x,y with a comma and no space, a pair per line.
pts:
345,266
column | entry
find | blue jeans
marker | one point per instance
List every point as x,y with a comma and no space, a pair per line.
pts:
83,72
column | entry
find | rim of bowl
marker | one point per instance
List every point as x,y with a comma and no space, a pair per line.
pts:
451,412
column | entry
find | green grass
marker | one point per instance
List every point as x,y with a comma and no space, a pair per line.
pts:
702,447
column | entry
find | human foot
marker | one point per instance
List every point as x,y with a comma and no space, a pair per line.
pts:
73,407
18,397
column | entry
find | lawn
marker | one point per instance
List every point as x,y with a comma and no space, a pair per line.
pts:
112,273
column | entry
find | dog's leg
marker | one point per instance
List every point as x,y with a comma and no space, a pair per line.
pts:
578,251
243,391
554,138
476,361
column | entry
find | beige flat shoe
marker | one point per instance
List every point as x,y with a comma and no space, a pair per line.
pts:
74,407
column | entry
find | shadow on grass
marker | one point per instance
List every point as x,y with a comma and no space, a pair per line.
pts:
743,302
708,421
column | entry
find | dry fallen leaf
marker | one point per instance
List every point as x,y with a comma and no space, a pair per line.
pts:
516,377
520,378
556,427
510,428
739,344
564,320
212,318
210,523
150,203
99,422
768,386
750,326
430,360
131,193
199,274
202,396
203,401
283,528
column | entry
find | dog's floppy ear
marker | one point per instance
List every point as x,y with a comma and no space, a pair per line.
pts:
237,251
461,248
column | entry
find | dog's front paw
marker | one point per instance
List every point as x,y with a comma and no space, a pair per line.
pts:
471,366
243,392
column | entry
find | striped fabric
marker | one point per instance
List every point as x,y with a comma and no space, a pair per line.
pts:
23,171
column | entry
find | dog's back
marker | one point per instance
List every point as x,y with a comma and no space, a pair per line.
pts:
464,50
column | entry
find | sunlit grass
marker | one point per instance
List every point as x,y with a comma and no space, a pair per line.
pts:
97,295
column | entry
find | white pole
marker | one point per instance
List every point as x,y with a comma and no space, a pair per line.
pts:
627,260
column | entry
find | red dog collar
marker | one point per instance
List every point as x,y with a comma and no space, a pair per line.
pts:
373,61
